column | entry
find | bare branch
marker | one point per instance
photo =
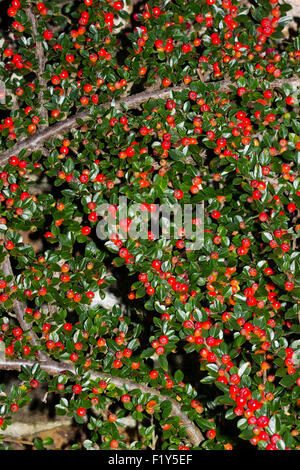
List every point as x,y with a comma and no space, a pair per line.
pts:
55,368
131,102
41,64
19,309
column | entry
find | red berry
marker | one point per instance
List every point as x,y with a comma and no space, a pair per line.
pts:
215,214
211,434
48,34
34,383
76,388
153,374
81,412
86,230
14,408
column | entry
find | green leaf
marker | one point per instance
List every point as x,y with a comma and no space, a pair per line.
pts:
244,369
162,360
287,381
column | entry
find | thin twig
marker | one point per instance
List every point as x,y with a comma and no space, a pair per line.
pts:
16,441
41,64
154,436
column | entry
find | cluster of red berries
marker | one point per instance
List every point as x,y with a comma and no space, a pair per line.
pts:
43,10
14,7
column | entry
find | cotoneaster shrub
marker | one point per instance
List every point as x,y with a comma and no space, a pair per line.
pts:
165,102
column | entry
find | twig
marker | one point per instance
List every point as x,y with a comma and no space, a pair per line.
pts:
41,64
55,368
154,436
16,441
19,309
265,375
131,102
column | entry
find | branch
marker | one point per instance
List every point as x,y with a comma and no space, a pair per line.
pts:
55,368
134,101
41,63
19,309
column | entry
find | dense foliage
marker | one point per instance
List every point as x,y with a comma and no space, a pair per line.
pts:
164,102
